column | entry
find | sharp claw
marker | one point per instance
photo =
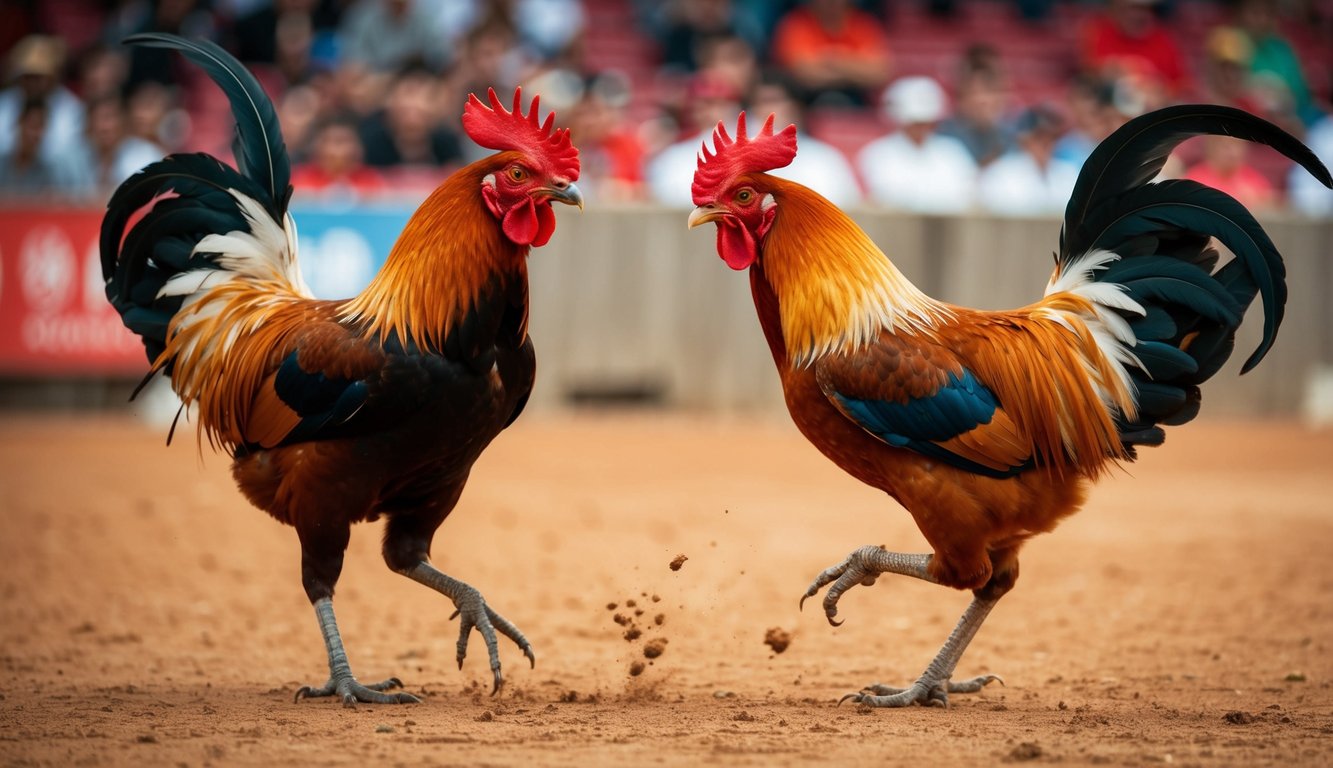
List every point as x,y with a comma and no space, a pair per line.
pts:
300,692
856,696
392,682
532,658
453,615
834,622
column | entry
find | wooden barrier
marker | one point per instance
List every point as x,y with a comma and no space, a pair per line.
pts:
627,304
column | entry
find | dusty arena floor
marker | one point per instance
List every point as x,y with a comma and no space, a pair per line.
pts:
149,616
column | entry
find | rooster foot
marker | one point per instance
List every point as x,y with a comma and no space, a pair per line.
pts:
352,692
924,692
474,613
863,567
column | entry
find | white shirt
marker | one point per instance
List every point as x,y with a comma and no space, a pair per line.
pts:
1015,185
1307,195
936,176
818,166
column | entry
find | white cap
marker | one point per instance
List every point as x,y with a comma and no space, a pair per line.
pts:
916,99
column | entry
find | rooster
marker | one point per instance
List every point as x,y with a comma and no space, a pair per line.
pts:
337,412
988,427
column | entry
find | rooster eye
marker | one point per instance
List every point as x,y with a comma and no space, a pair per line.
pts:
744,196
517,174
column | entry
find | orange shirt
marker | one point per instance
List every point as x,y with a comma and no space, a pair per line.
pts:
799,38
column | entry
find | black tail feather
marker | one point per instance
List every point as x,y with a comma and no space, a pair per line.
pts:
1162,234
261,153
183,198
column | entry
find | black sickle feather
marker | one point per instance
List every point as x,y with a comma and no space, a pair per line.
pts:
1134,154
261,153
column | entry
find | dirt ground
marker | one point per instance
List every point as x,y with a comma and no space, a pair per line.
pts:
149,616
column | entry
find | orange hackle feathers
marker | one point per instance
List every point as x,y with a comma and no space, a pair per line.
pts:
495,127
835,288
439,264
731,158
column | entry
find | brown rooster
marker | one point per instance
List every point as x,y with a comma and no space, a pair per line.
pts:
337,412
990,426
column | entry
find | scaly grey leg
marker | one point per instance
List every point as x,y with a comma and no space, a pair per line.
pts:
474,613
341,681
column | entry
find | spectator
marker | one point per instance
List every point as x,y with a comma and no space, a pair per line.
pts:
110,154
1029,181
833,52
1224,167
254,36
1229,80
693,25
712,99
549,28
1127,41
387,35
25,170
409,130
1272,58
818,166
979,119
154,117
915,168
336,169
187,18
34,67
610,154
1307,195
102,71
492,58
1093,115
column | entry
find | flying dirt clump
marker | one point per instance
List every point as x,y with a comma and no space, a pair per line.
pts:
633,630
777,638
654,648
678,562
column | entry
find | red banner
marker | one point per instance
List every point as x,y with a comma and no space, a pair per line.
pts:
54,316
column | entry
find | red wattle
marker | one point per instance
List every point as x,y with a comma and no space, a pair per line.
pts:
545,224
735,244
520,222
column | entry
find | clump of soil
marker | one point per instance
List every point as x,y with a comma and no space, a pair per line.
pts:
654,648
678,562
1024,752
634,631
1239,718
777,638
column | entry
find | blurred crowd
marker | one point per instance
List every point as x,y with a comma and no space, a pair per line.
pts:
933,106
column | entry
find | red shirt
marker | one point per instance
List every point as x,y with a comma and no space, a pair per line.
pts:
312,179
800,37
1156,53
1247,185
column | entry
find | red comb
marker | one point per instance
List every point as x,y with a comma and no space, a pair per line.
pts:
764,152
495,127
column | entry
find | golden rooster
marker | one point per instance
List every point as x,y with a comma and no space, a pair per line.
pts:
337,412
989,426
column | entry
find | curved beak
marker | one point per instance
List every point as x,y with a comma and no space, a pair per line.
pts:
704,214
568,194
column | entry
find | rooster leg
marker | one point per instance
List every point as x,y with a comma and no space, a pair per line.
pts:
341,682
474,613
862,567
322,548
934,686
